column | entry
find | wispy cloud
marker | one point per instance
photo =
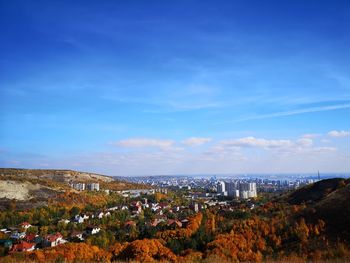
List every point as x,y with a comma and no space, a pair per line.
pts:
310,135
195,141
256,142
293,112
144,143
339,133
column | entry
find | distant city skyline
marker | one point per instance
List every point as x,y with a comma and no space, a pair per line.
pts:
186,87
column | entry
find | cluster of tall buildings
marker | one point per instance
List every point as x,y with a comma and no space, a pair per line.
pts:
85,186
237,189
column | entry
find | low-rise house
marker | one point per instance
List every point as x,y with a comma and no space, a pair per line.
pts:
174,223
65,221
92,230
100,215
18,235
113,208
6,231
23,246
25,225
85,216
80,218
33,238
77,235
53,240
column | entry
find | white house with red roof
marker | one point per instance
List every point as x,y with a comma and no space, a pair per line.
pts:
53,240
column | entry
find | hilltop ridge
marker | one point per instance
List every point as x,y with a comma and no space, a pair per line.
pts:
57,175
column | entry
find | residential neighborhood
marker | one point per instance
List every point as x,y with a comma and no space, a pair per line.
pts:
139,212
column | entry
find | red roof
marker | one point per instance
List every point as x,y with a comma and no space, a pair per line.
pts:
30,237
23,246
25,224
53,237
154,222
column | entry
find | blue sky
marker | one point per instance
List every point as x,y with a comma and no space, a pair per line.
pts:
167,87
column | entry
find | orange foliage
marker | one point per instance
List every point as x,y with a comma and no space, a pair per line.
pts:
190,256
69,199
193,225
159,196
146,250
70,252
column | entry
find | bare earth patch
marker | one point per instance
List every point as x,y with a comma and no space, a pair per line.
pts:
17,190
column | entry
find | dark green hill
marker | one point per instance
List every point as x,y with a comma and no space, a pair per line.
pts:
328,200
317,191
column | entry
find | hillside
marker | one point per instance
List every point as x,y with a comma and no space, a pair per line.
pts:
328,200
30,188
55,175
315,192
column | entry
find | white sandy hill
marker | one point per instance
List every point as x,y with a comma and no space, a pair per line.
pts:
17,190
63,176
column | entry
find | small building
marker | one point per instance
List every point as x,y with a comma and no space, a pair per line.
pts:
113,208
92,230
65,221
76,235
23,246
100,215
174,223
33,238
53,240
25,225
18,235
79,219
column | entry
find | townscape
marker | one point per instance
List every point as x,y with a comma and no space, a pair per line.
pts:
177,224
140,212
182,131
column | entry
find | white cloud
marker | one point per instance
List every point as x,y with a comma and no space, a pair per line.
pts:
310,135
304,142
256,142
299,146
324,149
195,141
339,133
145,142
